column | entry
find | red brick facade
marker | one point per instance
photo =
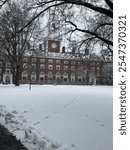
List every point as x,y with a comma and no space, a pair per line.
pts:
55,70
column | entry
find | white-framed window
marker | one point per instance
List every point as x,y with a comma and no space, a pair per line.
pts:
57,61
65,67
65,62
72,77
72,62
25,66
42,76
98,68
65,77
50,76
33,59
50,61
24,75
42,66
33,76
57,67
58,75
42,60
73,68
50,67
33,67
80,78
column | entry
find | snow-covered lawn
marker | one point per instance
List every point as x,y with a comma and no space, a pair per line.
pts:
77,117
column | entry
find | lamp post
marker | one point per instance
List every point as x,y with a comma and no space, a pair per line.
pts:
30,70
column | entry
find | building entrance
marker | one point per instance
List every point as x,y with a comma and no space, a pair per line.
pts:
8,80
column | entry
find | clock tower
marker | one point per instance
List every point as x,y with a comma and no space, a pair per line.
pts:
54,38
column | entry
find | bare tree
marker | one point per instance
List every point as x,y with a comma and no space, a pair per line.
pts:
14,46
91,18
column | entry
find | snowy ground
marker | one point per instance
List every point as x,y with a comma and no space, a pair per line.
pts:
77,117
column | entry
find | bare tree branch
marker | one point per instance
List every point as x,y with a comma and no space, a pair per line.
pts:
109,3
35,17
92,33
3,3
100,28
104,24
104,11
14,45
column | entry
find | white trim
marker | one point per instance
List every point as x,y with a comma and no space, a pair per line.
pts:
5,75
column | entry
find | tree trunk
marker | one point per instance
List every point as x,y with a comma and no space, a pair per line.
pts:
16,76
87,78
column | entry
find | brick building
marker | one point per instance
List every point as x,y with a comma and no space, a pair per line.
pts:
59,69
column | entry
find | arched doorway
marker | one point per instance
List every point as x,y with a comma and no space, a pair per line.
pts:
7,80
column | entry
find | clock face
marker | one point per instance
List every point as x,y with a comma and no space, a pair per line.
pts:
53,45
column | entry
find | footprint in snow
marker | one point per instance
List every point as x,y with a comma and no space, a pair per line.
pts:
14,112
26,111
102,125
97,120
73,145
46,117
66,105
36,123
86,115
55,113
70,102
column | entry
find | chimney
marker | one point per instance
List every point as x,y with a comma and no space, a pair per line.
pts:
73,50
86,51
40,47
63,49
45,44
